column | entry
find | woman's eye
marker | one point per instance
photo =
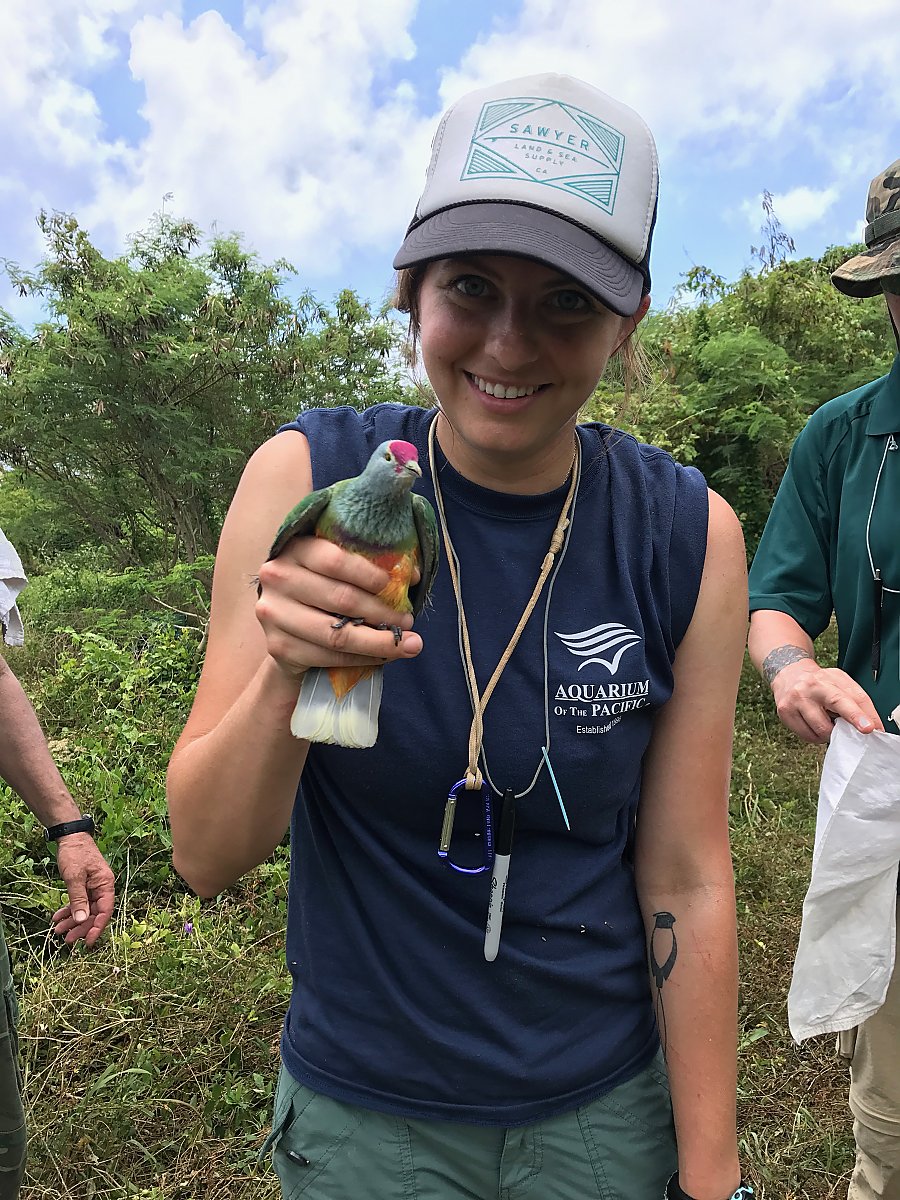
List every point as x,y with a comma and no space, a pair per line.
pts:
571,301
471,285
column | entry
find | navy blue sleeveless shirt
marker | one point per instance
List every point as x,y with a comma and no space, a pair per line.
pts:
393,1005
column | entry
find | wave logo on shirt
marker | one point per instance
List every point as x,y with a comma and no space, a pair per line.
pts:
604,644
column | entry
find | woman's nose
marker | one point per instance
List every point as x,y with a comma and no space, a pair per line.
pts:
511,339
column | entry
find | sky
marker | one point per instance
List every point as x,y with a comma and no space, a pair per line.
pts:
306,124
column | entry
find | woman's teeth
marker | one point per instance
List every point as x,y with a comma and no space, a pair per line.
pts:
500,390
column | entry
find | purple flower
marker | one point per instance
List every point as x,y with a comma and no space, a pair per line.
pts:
188,928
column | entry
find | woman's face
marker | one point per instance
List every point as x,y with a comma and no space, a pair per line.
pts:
513,349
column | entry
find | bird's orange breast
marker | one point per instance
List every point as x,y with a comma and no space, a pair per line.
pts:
400,567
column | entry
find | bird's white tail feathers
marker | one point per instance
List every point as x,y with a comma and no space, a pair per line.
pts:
352,721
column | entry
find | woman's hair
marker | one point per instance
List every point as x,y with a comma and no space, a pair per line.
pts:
406,300
629,364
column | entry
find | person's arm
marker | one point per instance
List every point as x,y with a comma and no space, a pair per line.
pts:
27,766
791,593
234,772
684,873
807,696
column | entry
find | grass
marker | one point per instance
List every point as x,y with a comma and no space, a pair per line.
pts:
795,1126
150,1063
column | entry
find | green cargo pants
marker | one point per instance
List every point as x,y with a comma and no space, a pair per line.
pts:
620,1147
12,1116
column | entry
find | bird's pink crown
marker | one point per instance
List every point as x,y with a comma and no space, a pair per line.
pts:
404,452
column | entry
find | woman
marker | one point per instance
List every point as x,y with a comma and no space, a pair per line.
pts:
422,1057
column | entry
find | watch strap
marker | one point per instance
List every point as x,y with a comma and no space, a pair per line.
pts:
84,824
674,1191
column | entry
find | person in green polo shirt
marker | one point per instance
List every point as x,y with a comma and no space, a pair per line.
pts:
27,766
832,545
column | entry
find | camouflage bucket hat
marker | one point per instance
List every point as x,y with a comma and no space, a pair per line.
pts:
862,275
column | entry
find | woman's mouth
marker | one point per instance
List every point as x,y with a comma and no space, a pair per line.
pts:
504,391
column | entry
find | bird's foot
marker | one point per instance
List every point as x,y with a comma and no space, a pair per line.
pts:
395,630
342,621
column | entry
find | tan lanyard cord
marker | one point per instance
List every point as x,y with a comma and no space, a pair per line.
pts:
480,702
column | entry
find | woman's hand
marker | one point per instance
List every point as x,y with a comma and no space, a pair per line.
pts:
319,607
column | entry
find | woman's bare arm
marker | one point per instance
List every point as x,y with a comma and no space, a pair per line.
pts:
684,873
234,772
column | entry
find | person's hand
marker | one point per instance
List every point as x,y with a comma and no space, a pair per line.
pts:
809,697
305,592
91,887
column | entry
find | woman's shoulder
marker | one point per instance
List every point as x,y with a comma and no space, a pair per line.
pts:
372,420
611,438
656,468
342,439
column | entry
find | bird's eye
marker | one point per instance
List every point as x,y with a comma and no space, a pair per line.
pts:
387,456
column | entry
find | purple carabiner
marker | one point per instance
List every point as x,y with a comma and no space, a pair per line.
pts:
447,829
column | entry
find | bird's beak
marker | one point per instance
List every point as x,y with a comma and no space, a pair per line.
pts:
413,467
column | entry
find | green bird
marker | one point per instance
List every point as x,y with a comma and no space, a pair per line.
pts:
376,515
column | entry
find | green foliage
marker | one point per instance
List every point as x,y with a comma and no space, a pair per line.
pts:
39,527
734,370
656,412
155,376
111,663
81,592
744,401
112,708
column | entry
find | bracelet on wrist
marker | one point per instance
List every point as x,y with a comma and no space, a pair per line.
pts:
84,824
674,1191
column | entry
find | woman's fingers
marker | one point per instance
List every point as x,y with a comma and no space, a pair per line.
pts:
300,636
319,607
321,575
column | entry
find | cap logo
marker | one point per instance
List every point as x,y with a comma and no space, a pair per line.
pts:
549,143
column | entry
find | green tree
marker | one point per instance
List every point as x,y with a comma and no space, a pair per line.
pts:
733,370
136,403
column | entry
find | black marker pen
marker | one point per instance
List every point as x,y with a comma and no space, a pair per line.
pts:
502,852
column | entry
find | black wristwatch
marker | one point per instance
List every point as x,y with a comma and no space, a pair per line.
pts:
674,1191
84,824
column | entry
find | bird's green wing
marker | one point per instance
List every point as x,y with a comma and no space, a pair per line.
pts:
302,519
429,548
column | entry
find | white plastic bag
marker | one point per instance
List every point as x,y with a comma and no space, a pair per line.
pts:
846,952
12,580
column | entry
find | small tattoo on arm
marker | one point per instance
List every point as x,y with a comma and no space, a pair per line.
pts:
781,657
664,925
663,953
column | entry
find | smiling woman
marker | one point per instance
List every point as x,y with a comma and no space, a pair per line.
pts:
475,898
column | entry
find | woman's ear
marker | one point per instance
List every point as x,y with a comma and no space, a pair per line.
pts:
642,311
631,323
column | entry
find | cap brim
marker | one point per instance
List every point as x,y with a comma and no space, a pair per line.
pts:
861,276
507,228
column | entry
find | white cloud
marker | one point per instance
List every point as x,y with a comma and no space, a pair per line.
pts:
690,72
304,132
51,127
48,45
290,145
797,209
